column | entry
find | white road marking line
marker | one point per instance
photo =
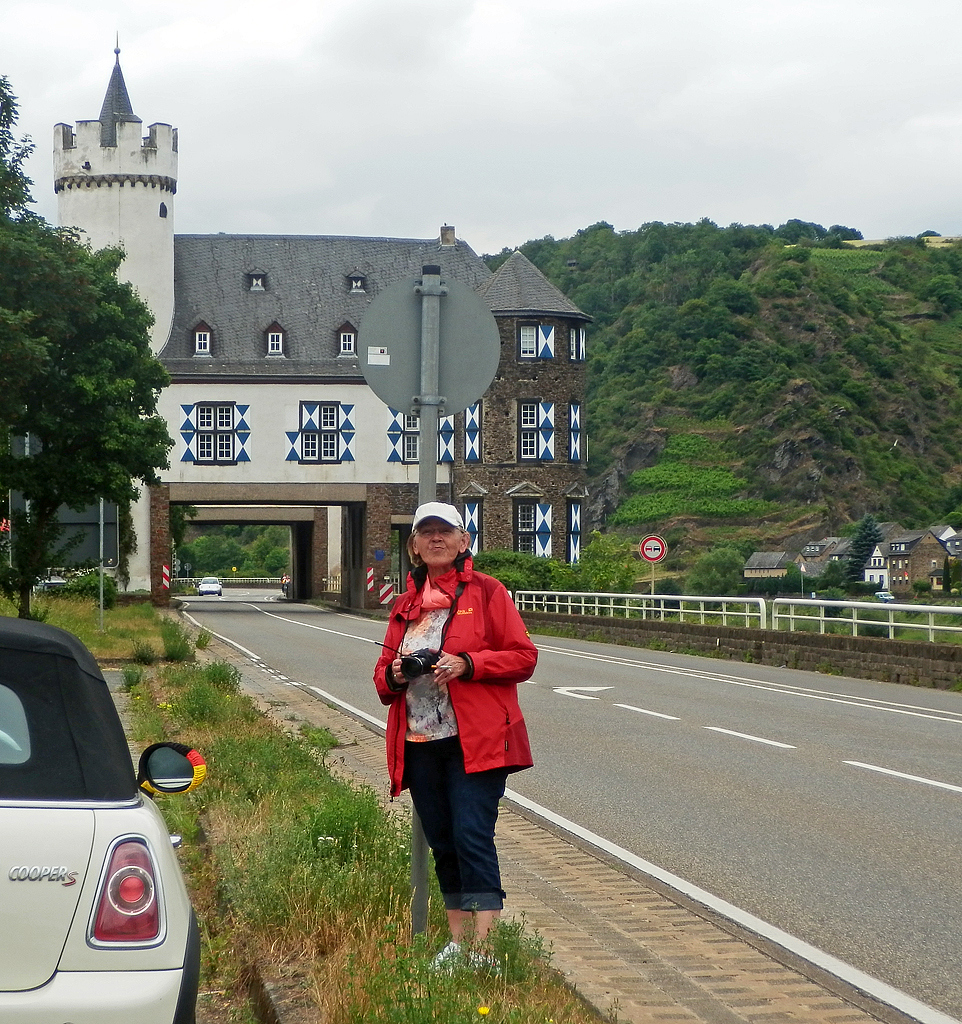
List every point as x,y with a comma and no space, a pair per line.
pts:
226,639
746,736
880,990
348,707
903,775
644,711
871,703
569,691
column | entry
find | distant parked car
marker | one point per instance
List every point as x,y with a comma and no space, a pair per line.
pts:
98,924
51,583
210,585
884,595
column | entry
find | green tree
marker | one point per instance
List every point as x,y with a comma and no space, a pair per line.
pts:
717,572
867,535
22,345
607,565
81,412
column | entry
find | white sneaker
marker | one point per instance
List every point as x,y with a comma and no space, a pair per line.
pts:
447,958
481,961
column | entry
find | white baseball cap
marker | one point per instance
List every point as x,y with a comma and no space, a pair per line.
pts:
438,510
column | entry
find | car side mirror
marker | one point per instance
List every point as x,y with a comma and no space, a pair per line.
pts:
170,768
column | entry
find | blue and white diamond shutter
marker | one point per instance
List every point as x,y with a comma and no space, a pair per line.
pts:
446,439
188,431
545,341
574,532
542,531
345,437
574,435
242,432
472,523
395,437
546,431
472,433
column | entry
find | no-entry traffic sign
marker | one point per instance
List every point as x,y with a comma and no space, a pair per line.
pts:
653,548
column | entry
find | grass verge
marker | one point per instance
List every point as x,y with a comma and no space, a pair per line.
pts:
310,876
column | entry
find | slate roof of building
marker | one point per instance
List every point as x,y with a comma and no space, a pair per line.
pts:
519,288
768,560
307,293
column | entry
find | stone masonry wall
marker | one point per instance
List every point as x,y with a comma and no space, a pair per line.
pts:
159,542
559,380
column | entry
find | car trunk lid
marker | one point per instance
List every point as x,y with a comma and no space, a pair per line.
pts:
44,857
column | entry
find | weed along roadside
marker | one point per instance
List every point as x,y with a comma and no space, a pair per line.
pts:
301,879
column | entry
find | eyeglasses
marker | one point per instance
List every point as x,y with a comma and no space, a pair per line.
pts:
430,531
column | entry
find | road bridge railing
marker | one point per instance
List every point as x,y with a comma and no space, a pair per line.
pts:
750,612
868,618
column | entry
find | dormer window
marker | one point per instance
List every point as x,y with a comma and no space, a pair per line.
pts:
358,282
202,340
257,281
347,340
275,340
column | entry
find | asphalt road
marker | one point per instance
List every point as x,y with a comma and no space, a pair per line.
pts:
826,806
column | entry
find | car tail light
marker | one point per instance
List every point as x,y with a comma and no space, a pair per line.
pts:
127,907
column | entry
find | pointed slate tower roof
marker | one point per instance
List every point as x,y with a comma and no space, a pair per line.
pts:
116,106
519,288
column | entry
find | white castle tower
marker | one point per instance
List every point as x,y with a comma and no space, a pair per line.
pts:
118,187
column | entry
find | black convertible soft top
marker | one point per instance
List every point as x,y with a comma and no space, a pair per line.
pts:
77,748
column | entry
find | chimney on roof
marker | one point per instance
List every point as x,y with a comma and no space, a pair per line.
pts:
448,237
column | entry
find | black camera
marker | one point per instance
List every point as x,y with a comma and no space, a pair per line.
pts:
416,664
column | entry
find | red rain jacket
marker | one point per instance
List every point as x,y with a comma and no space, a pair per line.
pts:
485,629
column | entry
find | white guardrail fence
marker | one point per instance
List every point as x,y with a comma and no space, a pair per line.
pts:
867,618
726,611
791,614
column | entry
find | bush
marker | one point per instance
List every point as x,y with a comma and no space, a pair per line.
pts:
176,641
144,653
132,675
88,586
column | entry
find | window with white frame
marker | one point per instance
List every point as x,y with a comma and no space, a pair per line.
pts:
524,527
319,431
348,343
410,442
216,434
528,341
576,339
527,430
202,340
275,340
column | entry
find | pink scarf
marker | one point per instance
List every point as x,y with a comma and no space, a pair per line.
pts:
435,597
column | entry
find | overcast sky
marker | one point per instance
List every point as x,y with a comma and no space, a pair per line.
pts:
515,119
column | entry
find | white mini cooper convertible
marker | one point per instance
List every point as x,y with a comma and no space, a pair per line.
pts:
95,923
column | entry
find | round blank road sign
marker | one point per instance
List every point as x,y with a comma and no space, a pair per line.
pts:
653,548
389,346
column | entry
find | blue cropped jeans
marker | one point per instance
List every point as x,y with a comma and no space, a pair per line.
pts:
458,812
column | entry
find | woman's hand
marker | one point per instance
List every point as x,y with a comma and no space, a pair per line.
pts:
449,666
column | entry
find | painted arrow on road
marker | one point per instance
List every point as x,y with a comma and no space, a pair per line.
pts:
569,691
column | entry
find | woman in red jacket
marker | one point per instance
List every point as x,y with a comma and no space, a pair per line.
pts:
455,651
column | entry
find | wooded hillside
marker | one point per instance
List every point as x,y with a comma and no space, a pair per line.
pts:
760,385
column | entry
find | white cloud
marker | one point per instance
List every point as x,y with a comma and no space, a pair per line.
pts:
516,118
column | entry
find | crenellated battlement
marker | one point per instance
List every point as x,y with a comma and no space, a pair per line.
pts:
79,155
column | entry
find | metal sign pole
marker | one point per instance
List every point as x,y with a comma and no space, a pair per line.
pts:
427,404
101,565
